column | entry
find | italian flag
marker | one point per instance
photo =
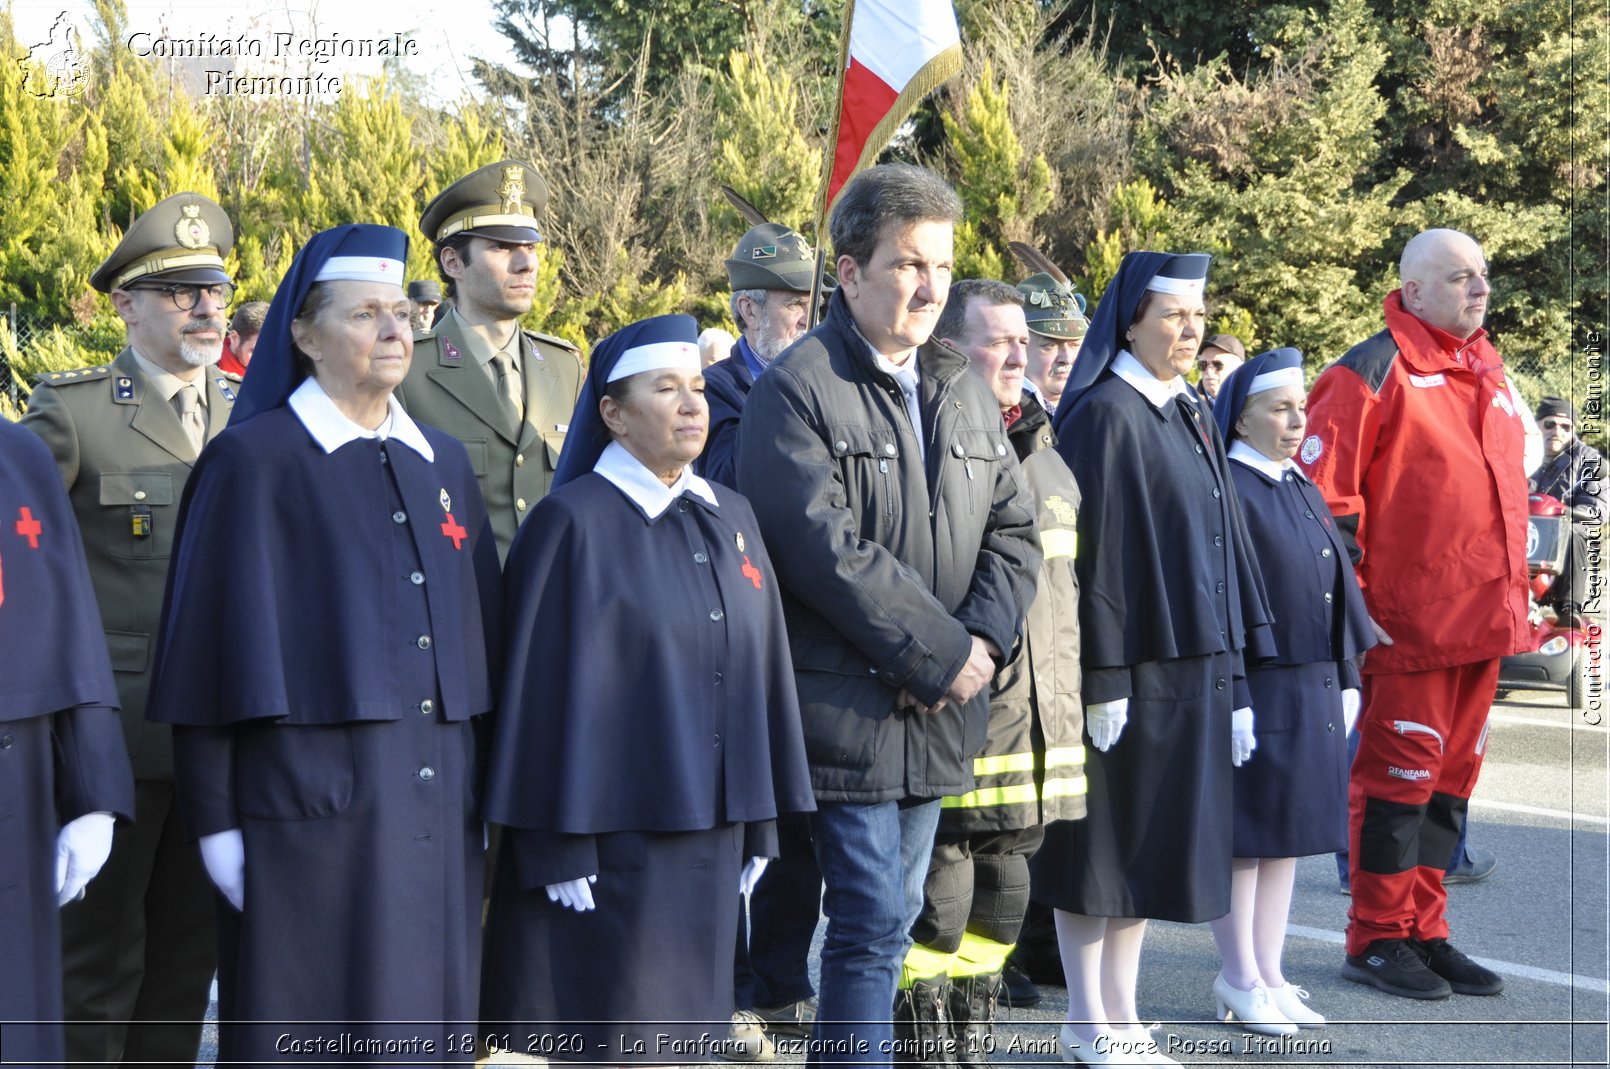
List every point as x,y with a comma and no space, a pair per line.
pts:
895,53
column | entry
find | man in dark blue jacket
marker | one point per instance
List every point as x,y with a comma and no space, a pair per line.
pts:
770,274
907,555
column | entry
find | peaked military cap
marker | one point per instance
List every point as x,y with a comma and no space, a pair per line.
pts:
500,202
772,257
181,239
1053,308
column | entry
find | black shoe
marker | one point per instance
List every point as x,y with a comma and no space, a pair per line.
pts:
1019,991
1396,967
1454,966
1476,865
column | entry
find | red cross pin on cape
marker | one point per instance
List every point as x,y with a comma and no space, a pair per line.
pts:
29,527
451,528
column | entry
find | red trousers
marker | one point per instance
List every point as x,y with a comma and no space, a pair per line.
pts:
1421,739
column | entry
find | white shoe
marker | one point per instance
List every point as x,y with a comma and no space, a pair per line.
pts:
1254,1009
1098,1051
1145,1048
1289,1000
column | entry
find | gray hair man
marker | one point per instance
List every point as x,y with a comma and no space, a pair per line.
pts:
770,274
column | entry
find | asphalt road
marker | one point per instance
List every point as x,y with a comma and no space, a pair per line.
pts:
1542,921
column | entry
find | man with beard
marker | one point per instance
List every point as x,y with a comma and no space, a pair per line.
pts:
506,393
770,274
138,949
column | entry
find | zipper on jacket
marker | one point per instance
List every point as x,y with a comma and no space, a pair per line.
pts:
933,443
1406,727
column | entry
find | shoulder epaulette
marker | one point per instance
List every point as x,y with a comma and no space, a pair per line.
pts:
424,335
1371,359
554,339
232,376
65,378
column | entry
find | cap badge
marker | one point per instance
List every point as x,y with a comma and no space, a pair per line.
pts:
763,252
512,191
739,539
191,230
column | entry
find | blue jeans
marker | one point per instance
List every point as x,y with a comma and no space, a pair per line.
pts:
873,859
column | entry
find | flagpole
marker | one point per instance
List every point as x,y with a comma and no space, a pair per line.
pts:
829,161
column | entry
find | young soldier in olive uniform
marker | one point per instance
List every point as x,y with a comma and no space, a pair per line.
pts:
506,393
139,947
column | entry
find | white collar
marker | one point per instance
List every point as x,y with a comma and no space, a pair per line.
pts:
1246,454
1158,392
634,480
332,430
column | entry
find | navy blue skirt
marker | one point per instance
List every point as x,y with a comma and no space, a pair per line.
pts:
1291,798
643,979
1156,841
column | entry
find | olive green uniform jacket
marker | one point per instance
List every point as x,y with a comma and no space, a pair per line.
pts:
124,459
448,388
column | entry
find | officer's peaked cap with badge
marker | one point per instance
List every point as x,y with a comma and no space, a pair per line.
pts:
356,252
500,202
183,238
1053,307
772,257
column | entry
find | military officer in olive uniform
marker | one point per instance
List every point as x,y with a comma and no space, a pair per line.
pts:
506,393
139,947
1057,325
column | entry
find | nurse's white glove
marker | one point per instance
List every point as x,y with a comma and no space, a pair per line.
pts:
751,874
573,894
82,847
1241,741
1350,700
1105,722
224,855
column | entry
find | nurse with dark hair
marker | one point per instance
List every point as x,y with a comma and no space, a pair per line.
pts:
333,773
1169,601
648,734
1291,801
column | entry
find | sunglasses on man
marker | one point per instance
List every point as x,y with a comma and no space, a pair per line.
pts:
1558,424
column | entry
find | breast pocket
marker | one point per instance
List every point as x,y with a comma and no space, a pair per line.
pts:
139,507
869,463
553,443
294,772
978,453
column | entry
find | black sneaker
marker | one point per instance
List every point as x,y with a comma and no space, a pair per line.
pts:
1462,974
1396,967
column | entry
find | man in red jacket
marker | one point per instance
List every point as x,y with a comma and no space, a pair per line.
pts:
1416,441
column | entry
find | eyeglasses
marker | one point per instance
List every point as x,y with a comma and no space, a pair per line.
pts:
186,296
1558,424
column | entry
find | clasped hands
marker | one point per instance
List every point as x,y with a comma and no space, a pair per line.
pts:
974,677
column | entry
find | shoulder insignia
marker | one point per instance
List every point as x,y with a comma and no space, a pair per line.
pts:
232,376
1371,360
66,378
554,339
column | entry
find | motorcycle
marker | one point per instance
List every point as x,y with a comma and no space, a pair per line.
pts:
1567,652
